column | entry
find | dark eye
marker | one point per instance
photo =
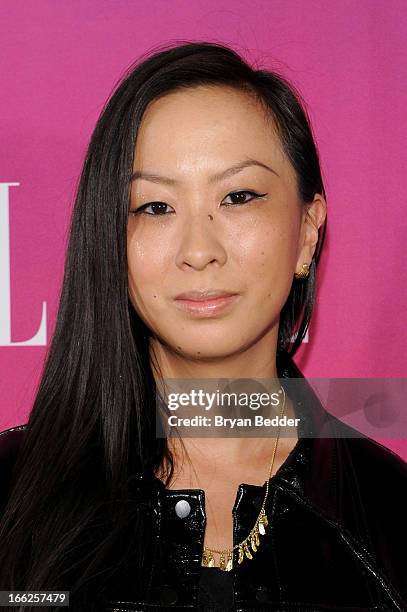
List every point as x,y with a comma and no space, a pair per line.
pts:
239,195
158,207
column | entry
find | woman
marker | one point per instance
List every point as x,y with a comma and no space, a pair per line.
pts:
201,176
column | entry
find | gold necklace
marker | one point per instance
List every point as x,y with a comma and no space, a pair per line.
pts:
253,539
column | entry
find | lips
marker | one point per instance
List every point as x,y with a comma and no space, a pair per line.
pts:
205,295
206,304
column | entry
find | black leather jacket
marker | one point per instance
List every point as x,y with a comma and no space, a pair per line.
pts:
336,538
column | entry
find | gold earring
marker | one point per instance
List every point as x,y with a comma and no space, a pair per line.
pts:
304,271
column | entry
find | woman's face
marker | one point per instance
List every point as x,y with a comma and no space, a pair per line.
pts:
198,235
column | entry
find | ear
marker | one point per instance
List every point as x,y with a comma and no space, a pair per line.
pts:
313,216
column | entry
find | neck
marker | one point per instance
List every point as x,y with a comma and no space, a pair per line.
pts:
225,454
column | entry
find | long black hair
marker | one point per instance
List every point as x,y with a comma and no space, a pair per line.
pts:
92,424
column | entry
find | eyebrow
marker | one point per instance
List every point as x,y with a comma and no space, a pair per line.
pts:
156,178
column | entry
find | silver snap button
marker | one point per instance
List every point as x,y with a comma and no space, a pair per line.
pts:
182,508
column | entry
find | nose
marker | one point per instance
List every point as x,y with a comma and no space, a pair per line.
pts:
201,241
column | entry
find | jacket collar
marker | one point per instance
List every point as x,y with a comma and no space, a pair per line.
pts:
312,471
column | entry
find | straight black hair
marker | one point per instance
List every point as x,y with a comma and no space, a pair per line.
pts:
92,425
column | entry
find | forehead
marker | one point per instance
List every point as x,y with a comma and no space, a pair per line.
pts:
205,127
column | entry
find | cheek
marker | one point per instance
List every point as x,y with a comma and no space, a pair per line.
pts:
146,272
148,255
267,263
268,252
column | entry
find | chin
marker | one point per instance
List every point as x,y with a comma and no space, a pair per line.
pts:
211,349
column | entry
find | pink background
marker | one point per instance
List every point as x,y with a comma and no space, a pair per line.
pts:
59,62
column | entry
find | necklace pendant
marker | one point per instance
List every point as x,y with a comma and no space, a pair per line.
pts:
264,519
226,566
247,551
207,558
241,554
256,536
229,564
263,522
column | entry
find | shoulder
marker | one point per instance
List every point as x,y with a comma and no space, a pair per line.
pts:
375,474
10,441
376,461
366,455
